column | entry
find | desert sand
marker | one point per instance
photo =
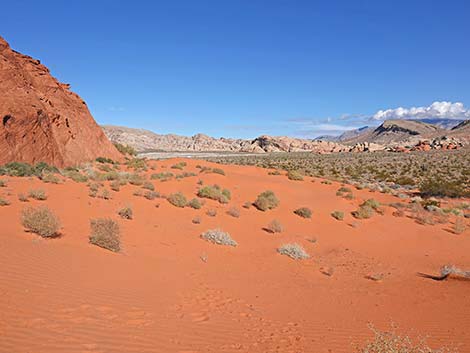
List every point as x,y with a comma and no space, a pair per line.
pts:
168,290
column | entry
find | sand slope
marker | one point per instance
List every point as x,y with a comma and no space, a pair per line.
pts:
65,295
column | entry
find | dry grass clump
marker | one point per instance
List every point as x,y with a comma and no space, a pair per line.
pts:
304,212
363,212
234,211
4,202
75,175
179,165
267,200
195,203
40,220
274,227
294,251
164,176
50,178
339,215
126,212
218,237
294,175
214,192
177,199
136,179
105,233
391,342
37,194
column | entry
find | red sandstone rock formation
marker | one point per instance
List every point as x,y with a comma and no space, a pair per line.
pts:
41,119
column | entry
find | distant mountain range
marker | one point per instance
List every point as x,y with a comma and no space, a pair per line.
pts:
390,134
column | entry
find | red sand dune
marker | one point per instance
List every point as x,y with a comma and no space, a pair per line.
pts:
157,295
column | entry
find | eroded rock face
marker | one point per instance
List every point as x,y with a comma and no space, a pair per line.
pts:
41,120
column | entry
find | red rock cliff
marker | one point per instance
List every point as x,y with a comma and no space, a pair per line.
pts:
41,119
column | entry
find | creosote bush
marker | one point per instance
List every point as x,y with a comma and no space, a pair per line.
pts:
40,220
105,233
294,251
177,199
267,200
218,237
303,212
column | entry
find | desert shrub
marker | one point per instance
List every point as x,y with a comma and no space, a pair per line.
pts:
211,212
42,168
294,251
148,185
40,220
136,179
162,176
374,204
151,195
247,205
185,175
303,212
138,193
76,176
3,183
4,202
363,212
294,175
195,203
344,189
104,160
50,178
274,226
126,212
196,220
105,194
115,185
460,225
37,194
267,200
218,171
23,197
177,199
234,211
218,237
391,342
339,215
179,165
125,149
274,172
137,164
19,169
214,192
105,233
439,187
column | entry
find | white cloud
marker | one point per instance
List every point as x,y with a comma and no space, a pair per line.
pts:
443,110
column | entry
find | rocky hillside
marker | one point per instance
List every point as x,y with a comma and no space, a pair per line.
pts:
41,119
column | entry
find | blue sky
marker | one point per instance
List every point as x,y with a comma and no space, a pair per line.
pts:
241,68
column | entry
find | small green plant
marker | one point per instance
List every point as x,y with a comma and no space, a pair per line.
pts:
105,233
216,236
303,212
38,194
40,220
294,251
339,215
177,199
267,200
179,165
214,192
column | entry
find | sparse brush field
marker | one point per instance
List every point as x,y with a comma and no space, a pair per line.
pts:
236,258
447,175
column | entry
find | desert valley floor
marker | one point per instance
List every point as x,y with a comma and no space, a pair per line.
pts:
168,290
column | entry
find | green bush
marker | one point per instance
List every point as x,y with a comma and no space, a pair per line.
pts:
267,200
195,203
214,192
294,175
125,149
439,187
